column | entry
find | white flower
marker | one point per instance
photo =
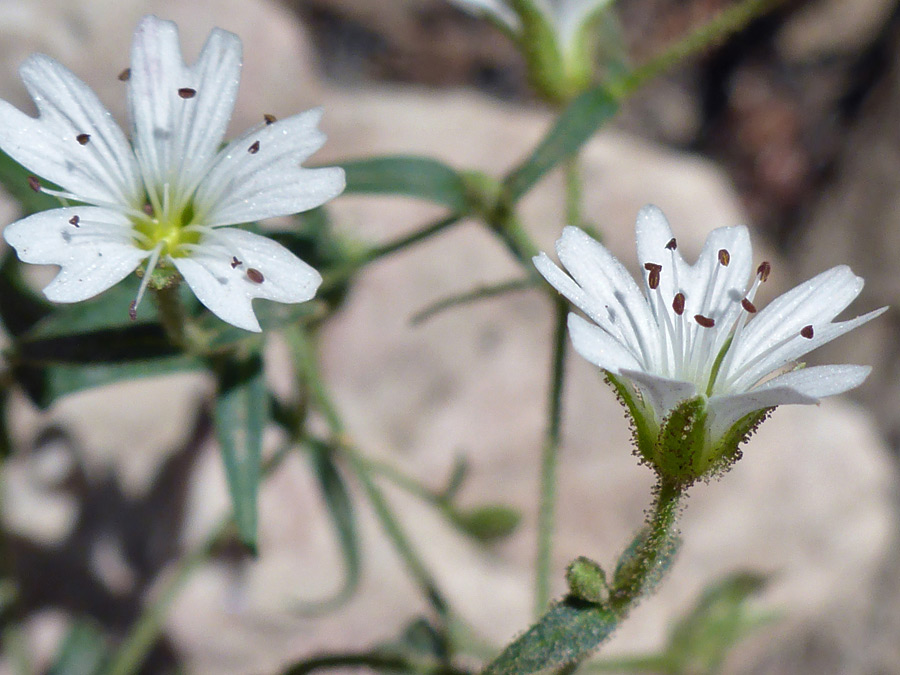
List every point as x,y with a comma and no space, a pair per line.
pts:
696,336
168,196
566,16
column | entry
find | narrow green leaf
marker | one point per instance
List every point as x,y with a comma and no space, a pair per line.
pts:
340,508
420,177
45,385
241,412
570,630
578,122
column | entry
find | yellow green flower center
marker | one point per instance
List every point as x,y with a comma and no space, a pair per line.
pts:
173,230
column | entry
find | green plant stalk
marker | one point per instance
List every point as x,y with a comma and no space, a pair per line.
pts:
144,633
549,464
728,21
171,315
572,169
304,358
630,583
342,272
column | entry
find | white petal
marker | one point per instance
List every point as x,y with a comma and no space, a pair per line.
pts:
653,233
156,109
101,170
599,347
93,256
795,348
804,386
661,393
613,289
227,290
259,174
588,304
816,301
200,131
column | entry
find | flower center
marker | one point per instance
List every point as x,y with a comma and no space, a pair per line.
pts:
172,232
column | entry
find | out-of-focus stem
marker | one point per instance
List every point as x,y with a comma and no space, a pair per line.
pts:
549,462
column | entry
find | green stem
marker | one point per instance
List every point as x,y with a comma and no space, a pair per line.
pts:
722,25
171,315
549,462
480,293
144,633
639,573
306,363
391,526
573,190
345,271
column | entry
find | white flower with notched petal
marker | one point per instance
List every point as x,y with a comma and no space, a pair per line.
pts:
168,197
705,365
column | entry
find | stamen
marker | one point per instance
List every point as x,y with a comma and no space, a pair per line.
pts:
125,75
148,209
34,183
807,332
235,262
255,275
187,92
654,269
270,119
724,257
253,149
83,138
704,321
763,271
678,304
749,306
672,245
148,271
74,220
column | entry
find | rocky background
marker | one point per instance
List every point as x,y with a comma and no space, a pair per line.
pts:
791,127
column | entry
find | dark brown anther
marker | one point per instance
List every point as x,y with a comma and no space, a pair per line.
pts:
148,209
187,92
34,183
74,220
132,310
125,75
672,245
253,149
749,306
763,271
235,262
704,321
807,332
270,119
255,275
724,257
678,304
653,279
83,138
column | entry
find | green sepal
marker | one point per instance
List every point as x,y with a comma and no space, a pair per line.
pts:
643,433
539,43
681,442
727,451
587,580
